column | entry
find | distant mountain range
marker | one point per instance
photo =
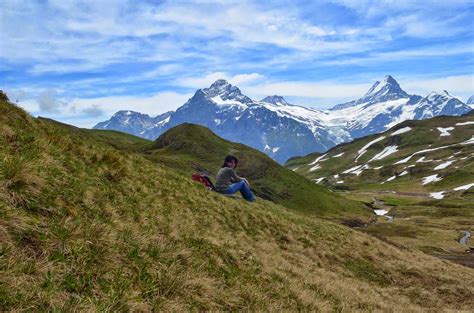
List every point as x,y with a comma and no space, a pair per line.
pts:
284,130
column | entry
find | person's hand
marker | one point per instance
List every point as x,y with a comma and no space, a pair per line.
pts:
246,181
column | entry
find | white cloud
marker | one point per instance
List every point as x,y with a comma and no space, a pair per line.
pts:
328,93
208,40
93,111
418,26
317,90
69,36
152,105
207,80
399,55
49,103
460,85
86,112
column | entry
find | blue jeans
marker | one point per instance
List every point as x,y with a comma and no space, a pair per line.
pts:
243,188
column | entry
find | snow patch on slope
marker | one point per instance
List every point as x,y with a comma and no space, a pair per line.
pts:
317,159
220,102
443,165
318,180
445,131
469,141
465,187
389,179
385,152
314,168
364,148
437,195
465,123
401,131
431,179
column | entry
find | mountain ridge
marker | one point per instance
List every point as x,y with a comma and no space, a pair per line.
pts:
283,130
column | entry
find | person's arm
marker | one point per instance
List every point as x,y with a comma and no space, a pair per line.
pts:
234,177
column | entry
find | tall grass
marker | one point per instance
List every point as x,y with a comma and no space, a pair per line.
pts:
113,231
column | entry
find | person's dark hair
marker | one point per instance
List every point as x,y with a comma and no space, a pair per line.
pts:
230,158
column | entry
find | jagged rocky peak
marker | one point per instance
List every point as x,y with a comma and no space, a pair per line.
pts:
470,100
443,103
386,90
388,86
225,91
127,113
277,100
434,95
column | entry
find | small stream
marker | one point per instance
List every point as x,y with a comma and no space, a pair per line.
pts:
383,210
465,238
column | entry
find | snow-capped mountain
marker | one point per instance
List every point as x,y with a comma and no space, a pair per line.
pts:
134,123
470,101
436,104
385,105
386,90
283,130
234,116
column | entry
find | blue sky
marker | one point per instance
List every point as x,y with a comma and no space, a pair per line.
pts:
81,61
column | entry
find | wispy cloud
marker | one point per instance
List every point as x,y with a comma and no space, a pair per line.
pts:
316,90
48,102
121,54
432,51
208,79
90,111
460,85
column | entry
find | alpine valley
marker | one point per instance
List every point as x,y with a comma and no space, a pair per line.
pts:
418,176
283,130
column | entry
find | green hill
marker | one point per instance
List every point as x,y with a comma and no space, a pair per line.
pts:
189,148
87,227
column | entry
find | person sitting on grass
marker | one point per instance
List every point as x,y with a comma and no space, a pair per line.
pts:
227,181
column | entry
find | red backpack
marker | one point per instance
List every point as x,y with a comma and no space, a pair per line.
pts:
205,180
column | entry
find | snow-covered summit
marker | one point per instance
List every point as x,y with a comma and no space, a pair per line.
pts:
223,90
384,86
277,100
470,101
435,104
125,113
381,91
132,122
446,93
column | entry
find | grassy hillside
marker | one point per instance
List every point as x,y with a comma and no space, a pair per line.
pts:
430,214
421,151
87,227
119,140
189,148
